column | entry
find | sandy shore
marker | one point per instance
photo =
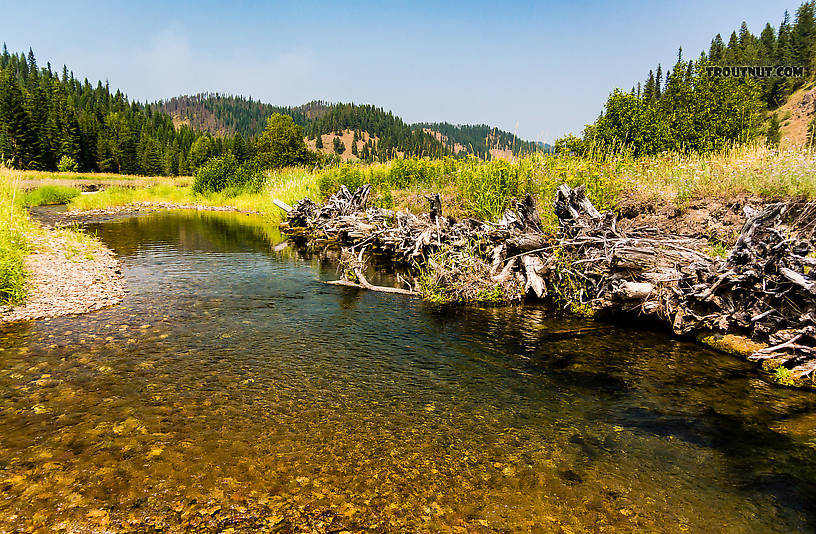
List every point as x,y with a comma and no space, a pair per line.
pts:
67,275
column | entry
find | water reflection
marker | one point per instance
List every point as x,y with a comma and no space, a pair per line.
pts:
233,389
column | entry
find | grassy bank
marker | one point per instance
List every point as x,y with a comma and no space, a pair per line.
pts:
27,175
479,189
14,224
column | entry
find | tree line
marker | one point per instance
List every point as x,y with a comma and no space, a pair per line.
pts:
479,139
48,118
687,110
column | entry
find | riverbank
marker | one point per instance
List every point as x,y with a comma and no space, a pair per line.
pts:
67,273
759,289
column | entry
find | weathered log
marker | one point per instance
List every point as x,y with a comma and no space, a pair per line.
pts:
633,290
532,265
282,205
365,284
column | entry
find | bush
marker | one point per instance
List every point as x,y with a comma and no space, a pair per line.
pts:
224,173
50,194
330,180
67,164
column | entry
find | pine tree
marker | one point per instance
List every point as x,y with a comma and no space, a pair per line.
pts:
649,89
773,134
715,52
318,141
804,34
239,149
16,135
658,81
767,44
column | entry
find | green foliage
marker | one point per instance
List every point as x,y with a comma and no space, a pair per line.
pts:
783,376
696,113
772,133
13,246
477,140
49,195
338,146
488,187
46,117
281,144
224,173
67,164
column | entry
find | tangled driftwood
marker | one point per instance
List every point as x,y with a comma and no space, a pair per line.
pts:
762,289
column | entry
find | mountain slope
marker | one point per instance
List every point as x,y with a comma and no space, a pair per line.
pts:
389,134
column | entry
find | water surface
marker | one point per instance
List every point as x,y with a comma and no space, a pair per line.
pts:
233,389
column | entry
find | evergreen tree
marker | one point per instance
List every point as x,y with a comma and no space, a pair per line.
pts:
16,143
239,149
804,34
281,144
773,134
715,53
338,146
767,42
649,89
658,80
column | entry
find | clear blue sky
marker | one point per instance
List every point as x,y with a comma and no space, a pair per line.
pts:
543,67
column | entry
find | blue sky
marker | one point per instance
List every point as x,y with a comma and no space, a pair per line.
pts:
540,68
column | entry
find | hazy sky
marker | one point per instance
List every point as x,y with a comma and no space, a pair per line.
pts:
543,67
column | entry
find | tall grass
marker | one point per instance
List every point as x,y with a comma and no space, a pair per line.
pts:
14,223
49,195
475,188
288,185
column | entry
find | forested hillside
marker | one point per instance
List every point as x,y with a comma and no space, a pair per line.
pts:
479,140
50,120
391,136
692,108
225,115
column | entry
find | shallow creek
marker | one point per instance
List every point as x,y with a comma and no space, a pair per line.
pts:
234,390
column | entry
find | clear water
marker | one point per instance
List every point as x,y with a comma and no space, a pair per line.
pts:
234,390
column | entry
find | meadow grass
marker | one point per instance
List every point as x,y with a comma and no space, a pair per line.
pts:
14,224
49,195
88,176
288,185
473,188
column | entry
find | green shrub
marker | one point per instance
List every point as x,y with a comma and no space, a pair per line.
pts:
224,173
67,164
50,194
330,180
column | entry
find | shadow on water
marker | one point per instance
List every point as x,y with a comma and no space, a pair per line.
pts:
233,389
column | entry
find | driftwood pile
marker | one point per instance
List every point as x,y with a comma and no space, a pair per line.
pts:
461,257
762,289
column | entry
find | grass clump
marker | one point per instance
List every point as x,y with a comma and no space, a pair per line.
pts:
122,196
13,247
49,195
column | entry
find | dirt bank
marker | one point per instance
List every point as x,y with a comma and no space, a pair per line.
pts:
67,274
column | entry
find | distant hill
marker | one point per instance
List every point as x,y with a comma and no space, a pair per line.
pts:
385,134
480,140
